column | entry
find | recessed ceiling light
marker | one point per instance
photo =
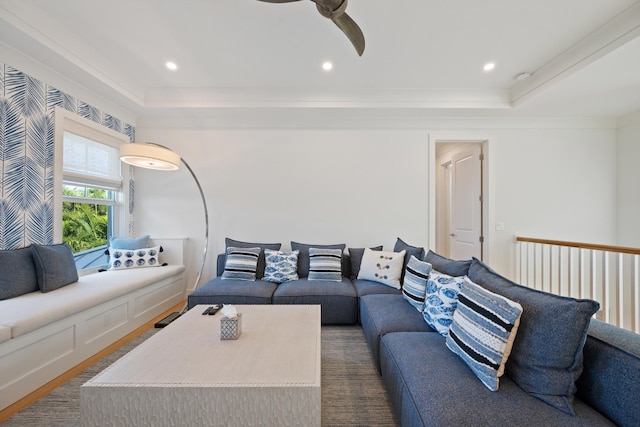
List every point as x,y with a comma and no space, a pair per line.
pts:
489,66
327,66
171,65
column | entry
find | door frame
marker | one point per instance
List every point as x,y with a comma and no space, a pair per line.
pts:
487,183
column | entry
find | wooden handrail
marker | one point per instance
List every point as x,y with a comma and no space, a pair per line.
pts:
608,248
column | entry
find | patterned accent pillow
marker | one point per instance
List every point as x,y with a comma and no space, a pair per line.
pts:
121,259
414,286
483,331
325,264
441,300
382,267
241,264
280,266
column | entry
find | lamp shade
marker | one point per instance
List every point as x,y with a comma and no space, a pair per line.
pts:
149,156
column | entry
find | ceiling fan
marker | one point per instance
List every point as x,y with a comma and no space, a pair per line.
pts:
335,10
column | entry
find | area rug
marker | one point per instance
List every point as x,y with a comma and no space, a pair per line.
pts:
352,390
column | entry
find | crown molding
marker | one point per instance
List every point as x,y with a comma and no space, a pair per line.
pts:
616,32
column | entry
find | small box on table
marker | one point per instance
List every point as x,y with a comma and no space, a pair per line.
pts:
231,328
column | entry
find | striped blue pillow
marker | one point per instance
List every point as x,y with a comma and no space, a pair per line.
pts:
483,330
325,264
414,286
241,263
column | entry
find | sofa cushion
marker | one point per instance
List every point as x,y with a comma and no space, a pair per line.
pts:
416,251
355,254
280,266
414,285
384,267
55,266
325,264
134,258
17,273
218,291
338,300
610,382
428,385
448,266
87,292
546,358
369,287
303,258
261,262
441,300
384,313
483,330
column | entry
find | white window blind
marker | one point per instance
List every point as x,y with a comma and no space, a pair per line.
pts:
90,162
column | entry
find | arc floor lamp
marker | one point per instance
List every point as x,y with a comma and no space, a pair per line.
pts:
154,156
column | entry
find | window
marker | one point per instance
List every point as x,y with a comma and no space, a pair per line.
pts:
91,198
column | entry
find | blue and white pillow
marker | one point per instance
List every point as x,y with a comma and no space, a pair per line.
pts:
241,264
280,266
325,264
483,331
414,286
441,300
120,259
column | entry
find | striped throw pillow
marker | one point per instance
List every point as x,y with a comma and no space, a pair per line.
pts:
414,286
241,263
483,330
325,264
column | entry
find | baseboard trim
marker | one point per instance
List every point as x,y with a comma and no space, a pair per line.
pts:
29,399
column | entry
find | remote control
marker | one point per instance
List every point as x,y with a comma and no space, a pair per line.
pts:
207,311
214,309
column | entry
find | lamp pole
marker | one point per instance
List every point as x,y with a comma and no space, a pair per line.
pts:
153,164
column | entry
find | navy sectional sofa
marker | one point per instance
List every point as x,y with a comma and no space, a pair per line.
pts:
429,385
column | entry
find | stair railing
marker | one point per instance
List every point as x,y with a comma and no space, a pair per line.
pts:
607,274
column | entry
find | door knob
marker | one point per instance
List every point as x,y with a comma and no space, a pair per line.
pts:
452,235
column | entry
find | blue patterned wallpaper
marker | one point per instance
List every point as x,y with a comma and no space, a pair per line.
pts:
27,154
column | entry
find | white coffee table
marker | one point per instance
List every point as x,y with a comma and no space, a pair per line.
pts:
186,375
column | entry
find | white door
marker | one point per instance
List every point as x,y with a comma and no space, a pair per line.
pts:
466,203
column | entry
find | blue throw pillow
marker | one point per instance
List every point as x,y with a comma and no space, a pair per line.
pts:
55,266
17,273
483,330
416,251
455,268
325,264
241,264
129,242
546,358
414,286
280,266
441,300
229,243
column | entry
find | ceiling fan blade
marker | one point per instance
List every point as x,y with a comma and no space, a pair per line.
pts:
278,1
351,30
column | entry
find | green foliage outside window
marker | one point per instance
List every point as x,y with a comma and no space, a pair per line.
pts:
84,225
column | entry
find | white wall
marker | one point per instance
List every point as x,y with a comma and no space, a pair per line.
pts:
356,187
367,187
628,180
